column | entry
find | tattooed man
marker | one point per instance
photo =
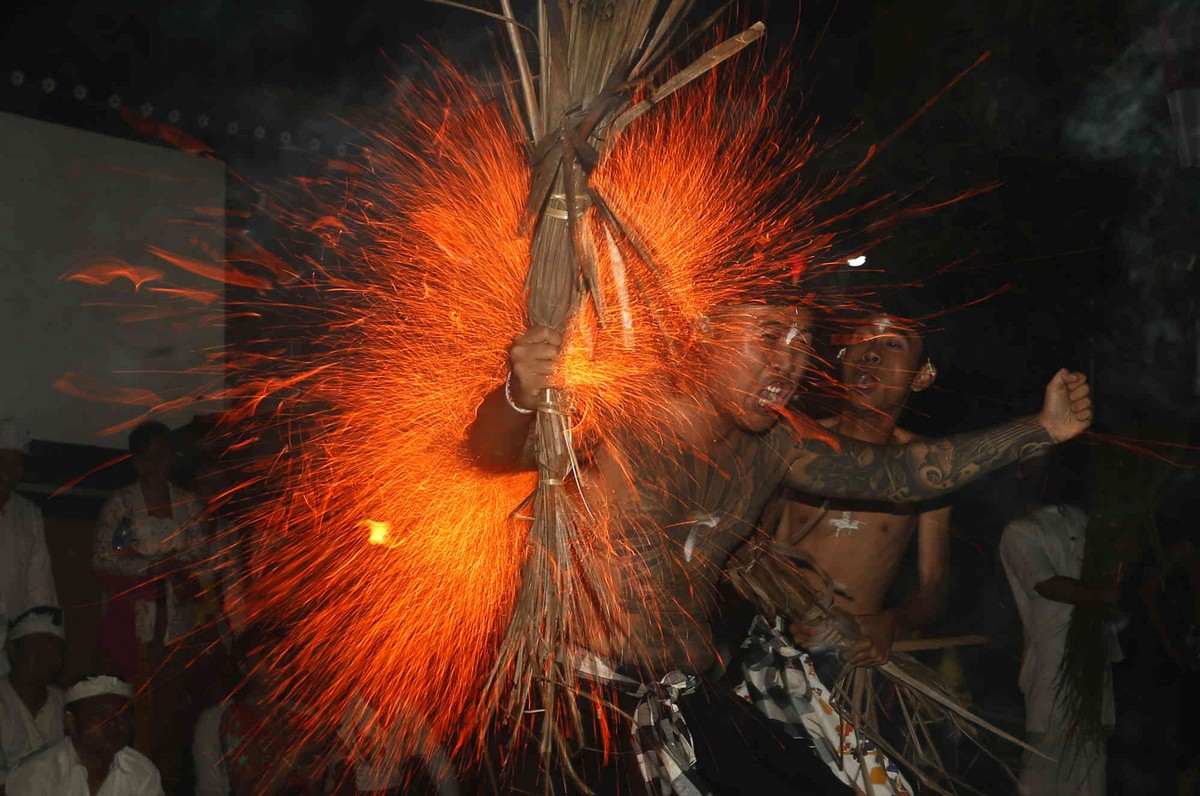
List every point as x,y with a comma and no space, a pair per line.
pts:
688,495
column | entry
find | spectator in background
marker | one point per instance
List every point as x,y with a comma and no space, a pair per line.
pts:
31,708
148,539
95,757
25,576
267,746
1042,553
209,763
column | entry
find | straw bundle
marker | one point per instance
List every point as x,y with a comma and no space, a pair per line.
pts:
598,63
769,575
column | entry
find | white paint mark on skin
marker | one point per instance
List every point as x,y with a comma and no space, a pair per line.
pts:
791,335
706,521
844,523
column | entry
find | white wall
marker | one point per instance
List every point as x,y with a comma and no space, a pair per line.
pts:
69,202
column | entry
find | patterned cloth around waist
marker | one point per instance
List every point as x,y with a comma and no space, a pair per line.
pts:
660,739
782,682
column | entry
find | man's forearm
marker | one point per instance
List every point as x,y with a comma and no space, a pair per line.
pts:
1072,591
911,473
499,436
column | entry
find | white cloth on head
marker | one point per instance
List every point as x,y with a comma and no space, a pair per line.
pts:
208,758
25,576
57,771
13,435
101,685
22,733
1044,544
32,623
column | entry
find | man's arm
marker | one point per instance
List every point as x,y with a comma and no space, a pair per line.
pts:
933,564
1073,591
879,631
926,469
500,437
1029,568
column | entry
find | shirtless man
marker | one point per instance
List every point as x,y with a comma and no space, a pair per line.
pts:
681,502
858,545
885,360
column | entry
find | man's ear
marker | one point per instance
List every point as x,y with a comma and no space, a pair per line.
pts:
69,723
925,377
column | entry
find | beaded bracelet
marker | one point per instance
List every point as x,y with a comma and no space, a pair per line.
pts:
508,396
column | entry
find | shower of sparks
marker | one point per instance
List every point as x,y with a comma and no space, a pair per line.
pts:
385,563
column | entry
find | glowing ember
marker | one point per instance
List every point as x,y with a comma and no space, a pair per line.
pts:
378,532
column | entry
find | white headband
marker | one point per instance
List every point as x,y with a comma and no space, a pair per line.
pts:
36,622
98,686
13,436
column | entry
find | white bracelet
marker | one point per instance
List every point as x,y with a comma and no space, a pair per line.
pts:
508,396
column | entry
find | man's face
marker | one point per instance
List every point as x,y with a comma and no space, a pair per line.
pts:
154,463
754,356
102,723
882,363
39,655
12,470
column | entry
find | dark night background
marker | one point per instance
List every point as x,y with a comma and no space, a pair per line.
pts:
1089,241
1090,234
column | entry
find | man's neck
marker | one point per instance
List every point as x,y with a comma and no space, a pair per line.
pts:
4,497
872,426
96,762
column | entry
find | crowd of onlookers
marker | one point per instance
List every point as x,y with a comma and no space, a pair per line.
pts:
177,699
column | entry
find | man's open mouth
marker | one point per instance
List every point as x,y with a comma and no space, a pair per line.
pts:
862,380
775,395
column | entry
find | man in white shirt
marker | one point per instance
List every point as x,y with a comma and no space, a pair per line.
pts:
31,709
1042,553
25,576
208,758
94,758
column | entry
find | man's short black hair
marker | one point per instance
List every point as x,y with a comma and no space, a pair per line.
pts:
141,437
919,307
916,312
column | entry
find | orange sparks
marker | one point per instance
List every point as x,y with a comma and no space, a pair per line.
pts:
81,385
404,611
106,270
214,271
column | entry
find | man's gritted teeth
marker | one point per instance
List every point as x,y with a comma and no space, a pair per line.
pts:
775,395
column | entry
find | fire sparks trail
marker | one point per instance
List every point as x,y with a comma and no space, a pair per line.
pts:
386,563
393,562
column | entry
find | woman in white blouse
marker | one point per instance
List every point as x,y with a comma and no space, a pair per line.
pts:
149,537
